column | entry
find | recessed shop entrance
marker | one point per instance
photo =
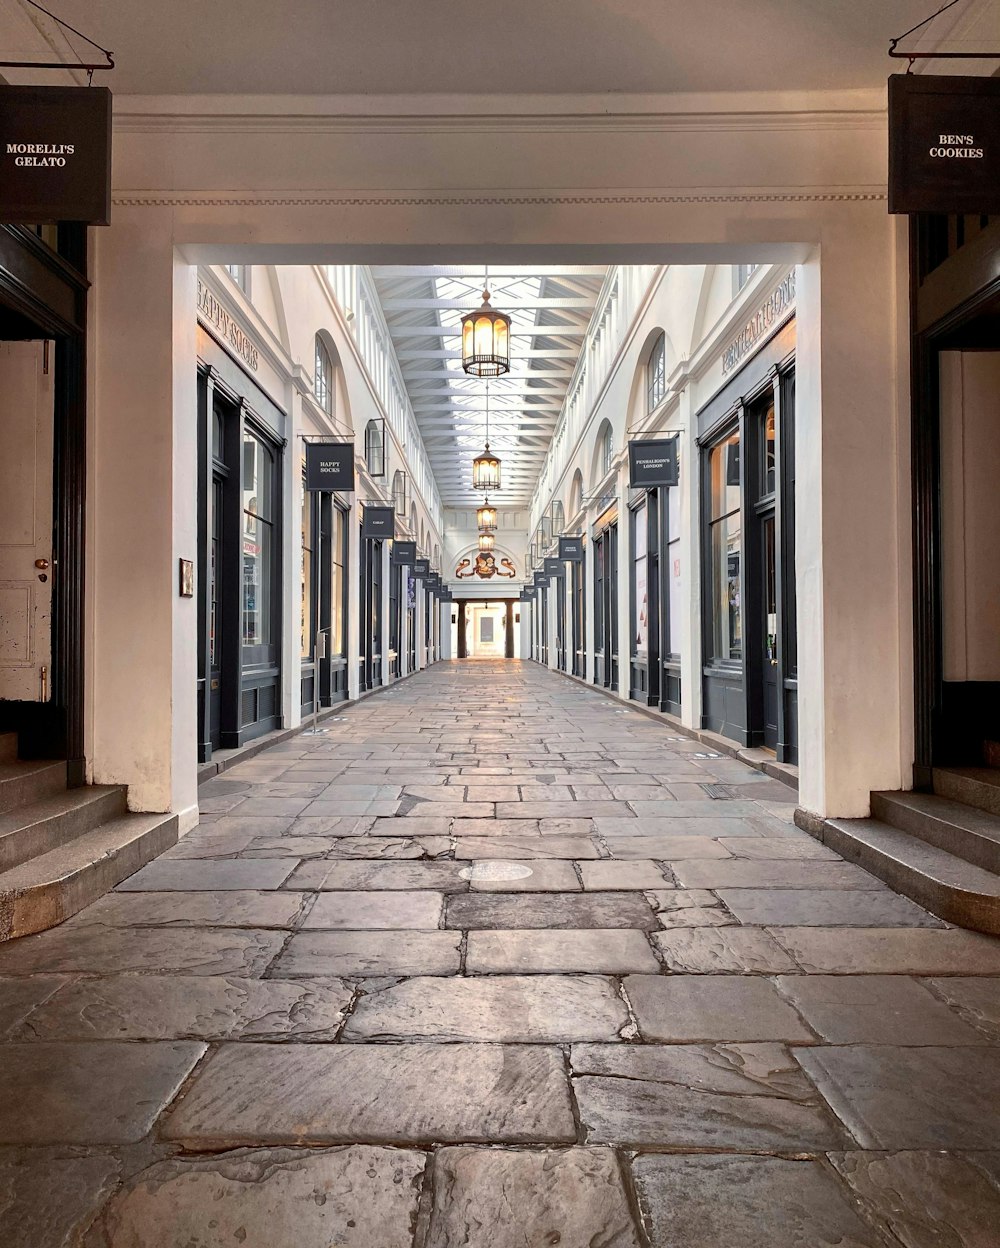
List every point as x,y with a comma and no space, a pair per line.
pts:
486,629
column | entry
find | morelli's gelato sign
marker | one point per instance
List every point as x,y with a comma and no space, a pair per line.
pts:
211,310
768,317
55,155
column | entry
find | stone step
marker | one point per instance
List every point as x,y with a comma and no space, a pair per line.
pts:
47,890
39,827
973,786
8,747
21,783
948,886
965,831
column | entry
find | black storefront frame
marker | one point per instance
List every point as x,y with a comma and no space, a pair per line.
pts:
578,584
606,639
44,295
249,676
954,280
370,584
311,671
395,619
733,690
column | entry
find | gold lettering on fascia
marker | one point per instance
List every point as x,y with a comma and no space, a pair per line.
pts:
765,318
956,147
213,311
41,155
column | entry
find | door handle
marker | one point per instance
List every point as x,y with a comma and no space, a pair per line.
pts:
41,564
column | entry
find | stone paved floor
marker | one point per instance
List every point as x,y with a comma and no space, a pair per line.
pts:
485,964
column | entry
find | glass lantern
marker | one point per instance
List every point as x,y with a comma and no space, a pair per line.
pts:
486,341
486,471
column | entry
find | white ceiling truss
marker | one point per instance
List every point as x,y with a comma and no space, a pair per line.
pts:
550,309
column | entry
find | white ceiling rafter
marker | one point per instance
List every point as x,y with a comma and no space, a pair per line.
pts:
550,307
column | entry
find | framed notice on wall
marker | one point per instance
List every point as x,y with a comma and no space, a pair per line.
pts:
944,144
55,155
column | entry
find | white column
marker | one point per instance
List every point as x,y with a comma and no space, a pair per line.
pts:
690,640
588,615
291,553
444,610
421,645
353,600
385,612
623,587
142,662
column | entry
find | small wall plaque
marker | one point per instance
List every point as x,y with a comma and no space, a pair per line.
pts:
186,578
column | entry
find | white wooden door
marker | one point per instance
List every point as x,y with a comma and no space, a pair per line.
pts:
26,410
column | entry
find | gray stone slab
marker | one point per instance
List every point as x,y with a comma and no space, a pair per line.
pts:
669,900
924,1198
610,951
49,1197
670,848
573,1197
274,806
712,1007
753,1202
640,874
566,827
88,1093
197,844
825,907
374,910
555,875
675,818
392,1093
696,916
902,951
322,808
471,911
287,846
494,827
723,1096
508,1009
18,997
390,848
799,846
875,1009
975,1000
524,847
742,873
332,826
165,876
195,1007
362,954
710,948
560,810
106,951
238,908
355,875
354,1197
450,810
890,1096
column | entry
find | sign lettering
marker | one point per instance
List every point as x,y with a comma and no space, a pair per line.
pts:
213,312
767,317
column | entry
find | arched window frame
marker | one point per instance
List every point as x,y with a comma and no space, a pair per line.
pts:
375,448
323,377
656,374
607,450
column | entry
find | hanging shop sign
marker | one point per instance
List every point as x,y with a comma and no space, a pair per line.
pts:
55,155
433,580
652,462
571,548
404,552
330,466
422,568
944,144
555,567
541,581
378,522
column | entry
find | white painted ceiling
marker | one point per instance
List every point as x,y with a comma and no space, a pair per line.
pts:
331,47
550,309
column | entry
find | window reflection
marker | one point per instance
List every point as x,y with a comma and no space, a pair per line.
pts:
726,550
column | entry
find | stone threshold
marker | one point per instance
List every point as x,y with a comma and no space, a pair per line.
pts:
758,758
222,760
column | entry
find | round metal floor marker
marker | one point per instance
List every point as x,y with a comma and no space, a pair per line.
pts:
495,871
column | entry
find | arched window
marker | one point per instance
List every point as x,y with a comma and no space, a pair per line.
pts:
399,492
375,448
558,518
656,374
576,493
607,450
323,377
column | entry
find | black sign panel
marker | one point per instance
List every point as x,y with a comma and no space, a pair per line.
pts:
652,462
433,580
404,552
379,522
571,548
55,155
944,144
421,567
554,567
330,466
541,581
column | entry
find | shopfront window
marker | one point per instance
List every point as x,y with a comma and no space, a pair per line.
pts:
725,550
258,540
308,573
640,588
674,569
767,451
338,584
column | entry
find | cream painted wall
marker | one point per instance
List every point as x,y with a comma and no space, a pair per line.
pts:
693,181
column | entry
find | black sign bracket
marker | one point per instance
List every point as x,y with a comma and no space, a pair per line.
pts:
90,67
936,56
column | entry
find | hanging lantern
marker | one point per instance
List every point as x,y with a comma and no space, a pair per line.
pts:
486,543
486,471
486,341
486,517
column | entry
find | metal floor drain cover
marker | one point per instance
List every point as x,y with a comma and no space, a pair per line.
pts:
480,871
719,791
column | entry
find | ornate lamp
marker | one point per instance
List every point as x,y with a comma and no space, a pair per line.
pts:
486,341
486,516
486,543
486,467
